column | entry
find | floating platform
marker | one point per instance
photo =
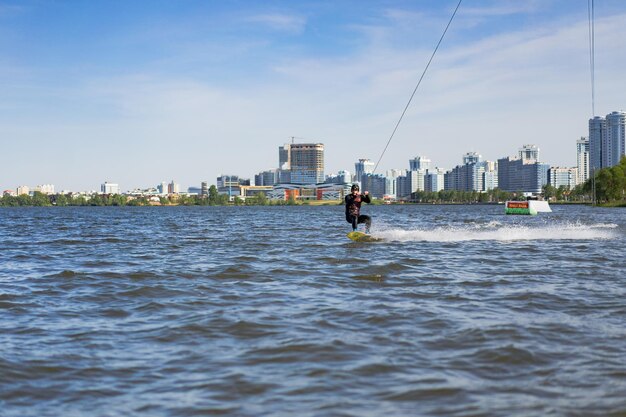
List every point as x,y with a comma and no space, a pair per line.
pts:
528,207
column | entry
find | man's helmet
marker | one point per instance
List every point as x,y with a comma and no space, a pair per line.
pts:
355,187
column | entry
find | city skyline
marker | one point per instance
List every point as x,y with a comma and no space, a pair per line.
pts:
133,93
415,165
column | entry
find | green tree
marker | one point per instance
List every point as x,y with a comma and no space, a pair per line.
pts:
213,195
548,191
40,200
61,200
9,201
79,201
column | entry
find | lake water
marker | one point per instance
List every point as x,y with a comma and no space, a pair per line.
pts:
272,311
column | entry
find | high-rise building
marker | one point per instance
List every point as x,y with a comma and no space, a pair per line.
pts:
109,188
419,163
307,163
529,154
434,180
392,181
563,177
173,188
523,174
472,158
266,178
582,159
490,176
607,140
204,188
615,138
409,183
597,129
469,176
374,183
363,166
284,156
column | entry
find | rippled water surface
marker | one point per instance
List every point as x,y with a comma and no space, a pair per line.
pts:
250,311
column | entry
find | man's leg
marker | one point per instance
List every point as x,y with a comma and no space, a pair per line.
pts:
367,220
352,220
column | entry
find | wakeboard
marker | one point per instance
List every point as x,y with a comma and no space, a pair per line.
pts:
362,237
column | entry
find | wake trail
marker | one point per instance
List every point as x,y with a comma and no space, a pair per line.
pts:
497,232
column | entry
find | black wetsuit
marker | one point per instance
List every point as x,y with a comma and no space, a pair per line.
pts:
353,211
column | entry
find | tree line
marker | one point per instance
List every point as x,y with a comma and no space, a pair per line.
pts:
213,198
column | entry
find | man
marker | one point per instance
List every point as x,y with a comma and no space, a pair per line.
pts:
353,208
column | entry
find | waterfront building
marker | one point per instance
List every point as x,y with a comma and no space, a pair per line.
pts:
582,160
472,158
284,156
326,191
162,188
374,183
490,178
409,183
248,191
204,188
173,188
467,177
434,180
615,138
284,176
392,176
597,129
403,186
524,173
419,163
342,177
563,177
412,180
231,185
607,141
109,188
306,163
363,166
266,178
529,154
45,189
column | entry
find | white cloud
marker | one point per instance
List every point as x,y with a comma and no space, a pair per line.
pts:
502,8
280,22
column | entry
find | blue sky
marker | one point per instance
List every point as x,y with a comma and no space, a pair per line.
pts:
139,92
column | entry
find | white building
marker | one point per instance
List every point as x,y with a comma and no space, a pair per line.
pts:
23,189
582,159
45,189
419,163
563,177
110,188
392,181
434,180
529,154
363,166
